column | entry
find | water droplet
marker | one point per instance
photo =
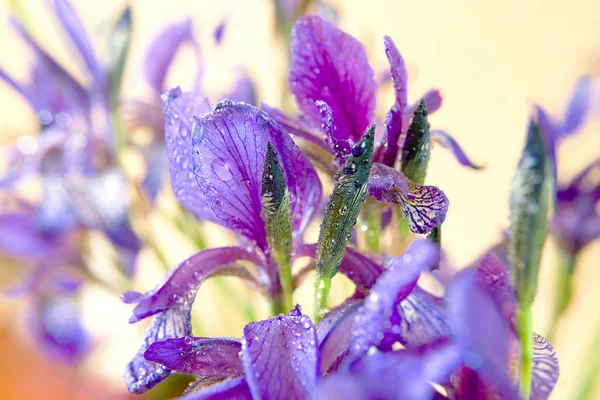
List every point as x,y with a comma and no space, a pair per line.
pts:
350,168
222,170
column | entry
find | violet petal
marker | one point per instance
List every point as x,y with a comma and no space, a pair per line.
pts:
21,237
180,108
545,368
171,302
493,273
360,269
296,127
423,319
206,357
72,23
55,89
423,206
448,142
162,51
243,89
280,357
409,372
229,147
341,148
391,288
230,389
394,118
330,65
578,107
57,326
334,333
482,330
179,287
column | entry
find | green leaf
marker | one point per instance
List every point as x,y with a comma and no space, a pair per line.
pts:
119,42
529,199
344,204
417,146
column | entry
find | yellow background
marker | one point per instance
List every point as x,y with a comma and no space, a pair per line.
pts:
491,59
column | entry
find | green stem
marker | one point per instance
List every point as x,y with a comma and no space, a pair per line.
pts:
322,286
371,224
403,230
589,371
564,289
524,327
287,285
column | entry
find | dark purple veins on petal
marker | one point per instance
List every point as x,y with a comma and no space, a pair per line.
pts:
545,368
229,147
330,65
423,206
280,357
215,358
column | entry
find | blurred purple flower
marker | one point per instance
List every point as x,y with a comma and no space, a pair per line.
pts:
578,109
333,83
577,221
150,112
74,152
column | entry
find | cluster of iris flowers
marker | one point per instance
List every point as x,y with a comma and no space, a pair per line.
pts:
254,171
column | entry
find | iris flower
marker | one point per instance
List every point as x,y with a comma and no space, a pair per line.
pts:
334,87
464,342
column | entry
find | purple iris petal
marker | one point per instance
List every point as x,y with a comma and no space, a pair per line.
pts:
162,52
219,32
405,374
394,118
56,214
157,162
482,330
179,287
296,127
216,358
57,326
392,287
230,389
330,65
21,237
341,148
360,269
243,89
578,107
55,90
179,111
577,220
77,33
433,101
545,368
423,206
493,273
448,142
334,334
18,87
171,302
280,357
423,319
229,147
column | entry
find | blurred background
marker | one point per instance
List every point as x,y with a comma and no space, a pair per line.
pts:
491,60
